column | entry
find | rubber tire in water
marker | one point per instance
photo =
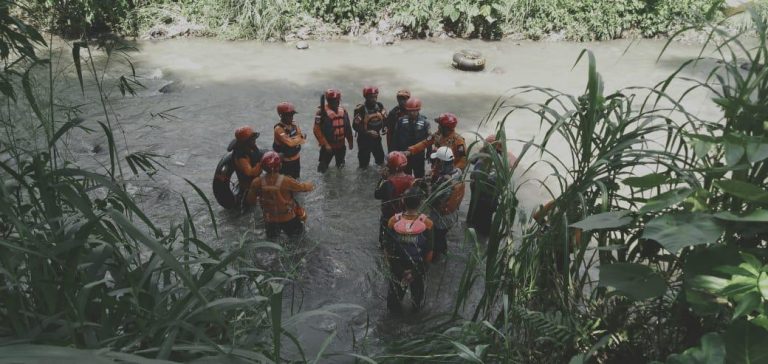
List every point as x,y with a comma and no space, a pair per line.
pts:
468,60
222,183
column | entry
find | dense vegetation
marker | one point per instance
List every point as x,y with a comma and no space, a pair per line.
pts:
276,19
655,250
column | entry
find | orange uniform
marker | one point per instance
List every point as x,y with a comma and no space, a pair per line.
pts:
288,141
437,140
275,194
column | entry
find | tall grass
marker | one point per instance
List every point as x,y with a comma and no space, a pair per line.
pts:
656,235
85,274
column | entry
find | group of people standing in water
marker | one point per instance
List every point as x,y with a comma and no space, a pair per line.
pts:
412,234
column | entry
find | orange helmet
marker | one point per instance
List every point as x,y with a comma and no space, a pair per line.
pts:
285,107
404,93
396,161
413,104
447,120
370,90
271,161
244,133
332,94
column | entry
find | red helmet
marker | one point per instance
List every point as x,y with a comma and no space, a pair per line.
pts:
447,120
404,93
370,90
244,133
413,104
491,139
332,94
285,107
271,161
396,160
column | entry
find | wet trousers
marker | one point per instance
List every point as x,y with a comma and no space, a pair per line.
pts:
326,157
291,168
291,227
366,147
415,165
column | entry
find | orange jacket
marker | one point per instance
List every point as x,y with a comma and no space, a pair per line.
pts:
282,137
452,140
274,192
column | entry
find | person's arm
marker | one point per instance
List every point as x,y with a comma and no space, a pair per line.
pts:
318,131
290,184
252,197
540,214
422,145
357,120
283,138
244,165
461,155
348,131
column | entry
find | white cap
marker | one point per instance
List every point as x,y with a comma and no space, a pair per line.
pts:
443,154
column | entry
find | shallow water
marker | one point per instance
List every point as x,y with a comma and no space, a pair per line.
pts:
221,85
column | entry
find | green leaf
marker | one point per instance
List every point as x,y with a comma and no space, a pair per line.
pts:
635,281
743,190
746,343
739,285
679,230
701,147
762,284
647,181
756,152
733,153
666,199
605,220
465,353
747,303
711,351
758,215
708,283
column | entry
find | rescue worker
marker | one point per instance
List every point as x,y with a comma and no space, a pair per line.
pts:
288,140
274,192
411,251
445,136
448,190
247,158
484,200
331,129
369,125
410,130
390,188
395,114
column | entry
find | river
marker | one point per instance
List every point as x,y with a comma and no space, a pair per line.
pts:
220,85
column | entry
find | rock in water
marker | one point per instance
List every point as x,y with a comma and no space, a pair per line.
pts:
389,40
173,86
302,45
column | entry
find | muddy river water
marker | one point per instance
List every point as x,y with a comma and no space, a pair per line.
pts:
219,85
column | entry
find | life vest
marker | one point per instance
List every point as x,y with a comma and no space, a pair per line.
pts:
283,149
276,206
333,128
451,204
395,204
373,120
408,134
410,237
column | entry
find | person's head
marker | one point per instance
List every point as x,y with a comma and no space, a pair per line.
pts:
245,136
396,162
333,97
443,160
371,94
495,144
412,198
403,96
270,162
286,110
447,123
412,107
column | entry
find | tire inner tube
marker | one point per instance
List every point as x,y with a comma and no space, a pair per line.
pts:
468,60
224,188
